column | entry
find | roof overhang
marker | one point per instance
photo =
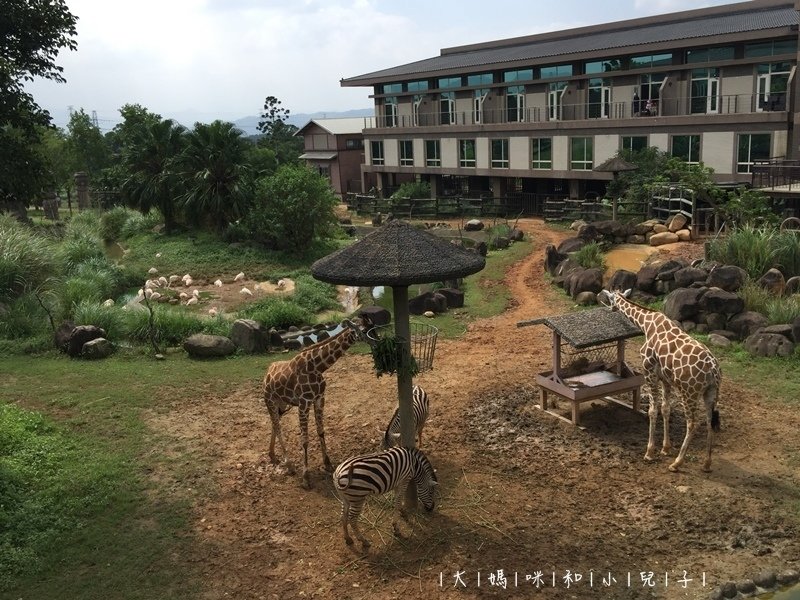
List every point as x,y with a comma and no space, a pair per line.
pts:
319,155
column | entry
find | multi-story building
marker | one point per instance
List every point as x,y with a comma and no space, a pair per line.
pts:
534,115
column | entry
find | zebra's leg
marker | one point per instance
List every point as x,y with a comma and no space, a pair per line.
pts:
666,402
353,514
345,520
303,410
319,407
399,496
691,423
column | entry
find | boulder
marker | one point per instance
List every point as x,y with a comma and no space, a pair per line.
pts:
249,336
716,321
768,344
611,228
701,328
642,228
427,301
552,258
641,297
622,280
589,233
666,286
377,315
586,298
785,330
688,326
716,300
516,235
62,334
646,277
473,225
727,277
688,275
746,323
660,228
576,225
97,348
454,297
796,330
80,335
792,285
667,270
275,338
499,242
716,339
322,335
572,244
429,313
676,222
726,333
773,281
481,248
293,344
566,266
684,235
588,280
203,345
635,239
665,237
683,304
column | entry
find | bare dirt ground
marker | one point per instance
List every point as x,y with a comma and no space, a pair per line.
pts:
521,491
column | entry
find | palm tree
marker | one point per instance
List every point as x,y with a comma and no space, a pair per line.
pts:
151,160
216,173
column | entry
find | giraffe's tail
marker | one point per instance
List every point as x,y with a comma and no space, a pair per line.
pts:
711,395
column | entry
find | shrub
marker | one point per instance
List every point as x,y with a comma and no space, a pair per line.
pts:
109,318
778,310
83,223
590,256
787,253
138,223
26,259
751,248
313,295
23,318
112,222
277,313
413,189
172,326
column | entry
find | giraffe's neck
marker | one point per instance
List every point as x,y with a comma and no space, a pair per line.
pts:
643,317
322,358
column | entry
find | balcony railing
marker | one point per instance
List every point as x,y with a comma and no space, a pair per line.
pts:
776,173
733,104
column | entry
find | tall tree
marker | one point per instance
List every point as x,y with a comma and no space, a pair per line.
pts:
86,144
273,115
152,162
31,34
216,172
279,135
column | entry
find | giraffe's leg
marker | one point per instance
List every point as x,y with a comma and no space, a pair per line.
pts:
654,388
666,402
345,520
275,417
319,407
710,397
303,410
691,423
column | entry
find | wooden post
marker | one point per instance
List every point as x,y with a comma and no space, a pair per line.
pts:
620,356
556,356
402,330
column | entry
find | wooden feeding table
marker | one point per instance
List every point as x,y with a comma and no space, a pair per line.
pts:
589,359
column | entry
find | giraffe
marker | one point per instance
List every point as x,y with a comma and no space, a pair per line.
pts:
300,382
673,360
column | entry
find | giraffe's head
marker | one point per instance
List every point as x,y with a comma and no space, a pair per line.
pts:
610,298
360,326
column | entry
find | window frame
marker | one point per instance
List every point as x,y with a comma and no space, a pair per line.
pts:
748,164
377,159
536,151
630,148
463,160
435,161
690,137
406,159
503,162
587,162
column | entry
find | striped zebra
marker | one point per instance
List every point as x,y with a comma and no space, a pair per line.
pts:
420,408
361,476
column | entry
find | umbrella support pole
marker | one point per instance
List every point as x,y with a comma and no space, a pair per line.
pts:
402,329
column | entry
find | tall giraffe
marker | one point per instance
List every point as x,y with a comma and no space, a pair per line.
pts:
673,360
300,382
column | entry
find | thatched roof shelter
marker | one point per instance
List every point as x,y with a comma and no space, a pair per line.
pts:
615,164
592,327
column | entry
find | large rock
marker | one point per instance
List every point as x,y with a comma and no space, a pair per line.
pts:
773,281
588,280
716,300
646,277
589,233
611,228
792,285
473,225
455,298
427,301
249,336
516,235
586,299
716,339
684,235
783,329
688,275
667,270
716,321
622,280
635,239
62,335
746,323
683,304
552,258
660,228
575,225
643,228
665,237
768,344
275,338
80,335
796,330
572,244
727,277
97,348
676,222
377,315
202,345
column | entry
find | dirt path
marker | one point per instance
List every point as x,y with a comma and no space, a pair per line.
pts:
520,490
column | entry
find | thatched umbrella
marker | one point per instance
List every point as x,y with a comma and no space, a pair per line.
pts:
615,165
398,255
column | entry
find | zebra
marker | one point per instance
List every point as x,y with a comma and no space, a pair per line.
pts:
392,435
361,476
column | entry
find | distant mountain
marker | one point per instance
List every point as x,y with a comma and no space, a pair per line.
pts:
250,124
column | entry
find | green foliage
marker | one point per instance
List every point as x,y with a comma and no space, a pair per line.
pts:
23,318
141,223
413,189
758,249
92,280
26,259
387,356
314,295
79,248
292,209
85,145
113,221
277,313
112,319
747,207
172,326
591,256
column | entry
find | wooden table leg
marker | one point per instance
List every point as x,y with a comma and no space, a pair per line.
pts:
543,398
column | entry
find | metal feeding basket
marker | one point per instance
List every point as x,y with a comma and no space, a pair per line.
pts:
423,342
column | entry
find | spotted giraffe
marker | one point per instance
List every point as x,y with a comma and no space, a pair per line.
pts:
300,382
673,360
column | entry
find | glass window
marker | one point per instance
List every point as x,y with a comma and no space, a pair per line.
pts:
392,88
634,143
466,153
447,108
406,153
433,153
417,86
599,103
602,66
704,91
390,111
652,60
701,55
582,154
542,153
520,75
450,82
515,103
770,48
376,152
772,82
556,71
478,100
353,144
482,79
687,148
752,147
500,154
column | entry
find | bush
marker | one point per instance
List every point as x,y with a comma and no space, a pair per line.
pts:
172,326
590,256
277,313
113,221
110,318
413,189
758,249
778,310
26,259
138,223
24,318
313,295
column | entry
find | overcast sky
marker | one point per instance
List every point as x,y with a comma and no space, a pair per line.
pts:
207,59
